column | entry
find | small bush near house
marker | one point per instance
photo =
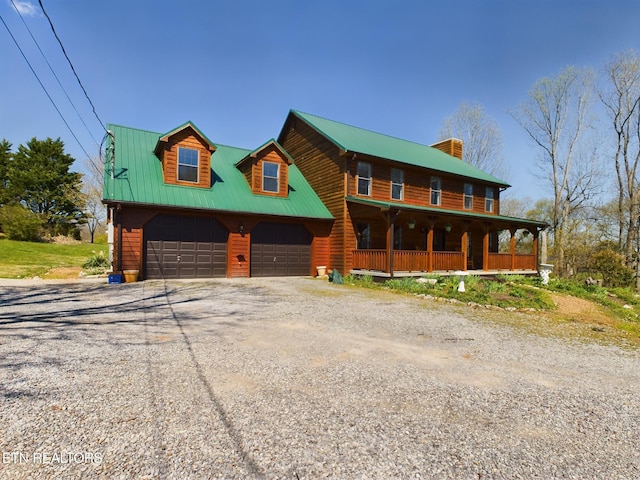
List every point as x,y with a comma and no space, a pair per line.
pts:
97,262
19,223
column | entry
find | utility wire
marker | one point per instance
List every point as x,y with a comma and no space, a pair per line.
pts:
54,73
43,87
71,65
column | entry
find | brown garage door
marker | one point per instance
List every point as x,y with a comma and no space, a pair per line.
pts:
280,249
185,247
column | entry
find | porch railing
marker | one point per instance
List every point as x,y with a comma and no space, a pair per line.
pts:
502,261
407,260
418,261
370,259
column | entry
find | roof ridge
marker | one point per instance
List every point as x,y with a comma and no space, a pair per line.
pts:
365,129
231,146
132,128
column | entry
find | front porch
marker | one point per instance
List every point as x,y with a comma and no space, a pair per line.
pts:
411,263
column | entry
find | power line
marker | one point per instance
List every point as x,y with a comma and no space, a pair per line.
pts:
43,87
54,73
71,65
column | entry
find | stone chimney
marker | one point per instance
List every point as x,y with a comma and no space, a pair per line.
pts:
452,146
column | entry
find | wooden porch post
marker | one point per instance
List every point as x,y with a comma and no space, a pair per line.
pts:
391,218
430,246
512,248
535,247
485,248
465,245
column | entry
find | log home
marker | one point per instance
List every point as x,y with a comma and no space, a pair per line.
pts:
402,207
323,194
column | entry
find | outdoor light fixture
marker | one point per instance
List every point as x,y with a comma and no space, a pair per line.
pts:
525,233
447,227
242,229
412,224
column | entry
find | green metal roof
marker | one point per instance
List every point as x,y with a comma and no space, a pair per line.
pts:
443,211
359,140
138,179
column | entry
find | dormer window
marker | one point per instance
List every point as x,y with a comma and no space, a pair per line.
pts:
270,177
188,165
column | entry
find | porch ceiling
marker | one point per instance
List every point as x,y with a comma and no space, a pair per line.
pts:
500,221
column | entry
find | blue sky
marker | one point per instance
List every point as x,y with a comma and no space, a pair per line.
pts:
236,67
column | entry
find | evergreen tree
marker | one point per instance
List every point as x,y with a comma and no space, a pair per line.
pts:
39,178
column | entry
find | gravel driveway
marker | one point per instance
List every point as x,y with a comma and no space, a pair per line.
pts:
298,378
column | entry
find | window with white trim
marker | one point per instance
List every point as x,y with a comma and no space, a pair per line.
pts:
468,196
436,190
270,177
364,178
488,199
397,184
188,159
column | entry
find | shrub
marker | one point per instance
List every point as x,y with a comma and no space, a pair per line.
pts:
612,268
96,262
20,223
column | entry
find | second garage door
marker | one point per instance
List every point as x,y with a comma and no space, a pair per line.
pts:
280,249
185,247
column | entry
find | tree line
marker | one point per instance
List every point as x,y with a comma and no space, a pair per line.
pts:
39,194
585,127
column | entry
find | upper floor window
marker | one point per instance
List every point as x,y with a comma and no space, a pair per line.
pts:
364,178
397,184
270,177
188,165
436,190
468,196
488,200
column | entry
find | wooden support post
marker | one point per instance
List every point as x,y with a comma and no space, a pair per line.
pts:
391,218
430,249
465,245
512,248
485,248
535,247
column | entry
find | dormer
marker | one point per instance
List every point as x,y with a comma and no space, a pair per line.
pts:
185,153
267,169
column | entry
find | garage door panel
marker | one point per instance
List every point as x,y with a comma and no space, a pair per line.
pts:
182,247
280,250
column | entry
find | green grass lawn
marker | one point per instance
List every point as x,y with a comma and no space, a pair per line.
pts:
29,259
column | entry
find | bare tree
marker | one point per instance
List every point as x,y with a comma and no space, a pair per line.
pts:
557,118
95,211
621,98
481,136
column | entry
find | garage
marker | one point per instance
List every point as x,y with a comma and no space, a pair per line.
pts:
185,247
280,249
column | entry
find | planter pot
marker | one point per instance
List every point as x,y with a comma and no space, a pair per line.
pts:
131,276
322,271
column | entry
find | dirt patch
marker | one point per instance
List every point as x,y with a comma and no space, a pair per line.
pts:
580,310
62,273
